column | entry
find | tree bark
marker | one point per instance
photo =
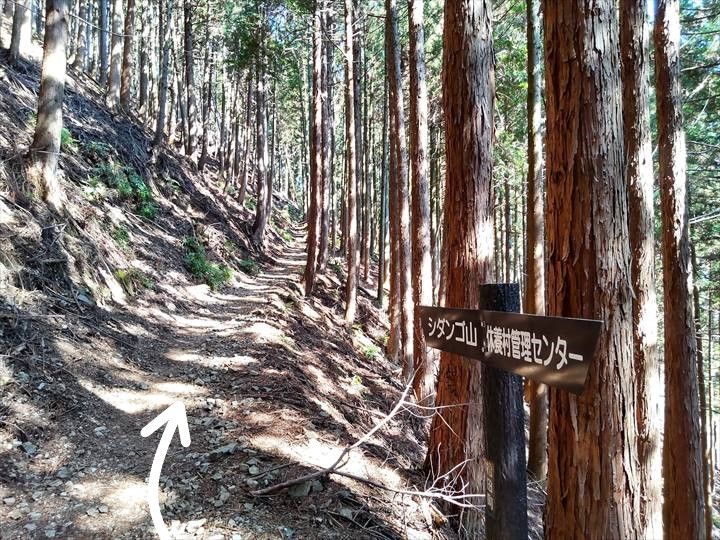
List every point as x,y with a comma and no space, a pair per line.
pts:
457,431
592,487
127,61
45,148
424,377
639,180
683,508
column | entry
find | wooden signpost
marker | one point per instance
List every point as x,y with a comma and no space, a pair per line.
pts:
553,350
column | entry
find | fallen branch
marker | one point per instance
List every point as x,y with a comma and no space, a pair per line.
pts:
434,491
338,462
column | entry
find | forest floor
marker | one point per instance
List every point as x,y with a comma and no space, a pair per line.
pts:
102,327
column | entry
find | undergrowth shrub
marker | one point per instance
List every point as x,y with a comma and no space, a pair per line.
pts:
128,184
249,266
215,275
96,150
67,142
133,280
121,236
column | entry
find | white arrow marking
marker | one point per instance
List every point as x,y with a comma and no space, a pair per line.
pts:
174,416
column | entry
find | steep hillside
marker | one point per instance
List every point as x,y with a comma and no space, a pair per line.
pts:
151,294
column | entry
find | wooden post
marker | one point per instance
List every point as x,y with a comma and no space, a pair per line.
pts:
506,504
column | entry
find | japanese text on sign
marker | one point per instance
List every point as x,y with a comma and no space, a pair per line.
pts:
508,342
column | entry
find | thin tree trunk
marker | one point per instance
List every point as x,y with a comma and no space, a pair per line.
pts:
189,40
382,241
314,221
144,83
112,96
709,432
327,136
264,181
703,403
683,505
127,62
535,250
206,97
639,180
397,145
424,376
457,432
103,40
166,10
21,31
80,60
351,144
247,139
506,229
45,148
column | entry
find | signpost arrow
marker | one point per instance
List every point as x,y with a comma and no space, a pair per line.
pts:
172,417
554,350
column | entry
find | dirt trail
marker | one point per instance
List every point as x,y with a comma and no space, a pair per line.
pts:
270,382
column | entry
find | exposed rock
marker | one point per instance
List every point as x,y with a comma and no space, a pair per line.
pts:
300,490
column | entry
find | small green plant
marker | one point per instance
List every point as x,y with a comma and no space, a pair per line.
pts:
147,209
96,150
128,184
287,236
371,351
109,173
250,202
67,143
121,236
231,246
215,275
336,267
133,280
356,385
249,266
95,190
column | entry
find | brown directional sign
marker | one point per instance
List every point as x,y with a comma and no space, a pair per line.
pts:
554,350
